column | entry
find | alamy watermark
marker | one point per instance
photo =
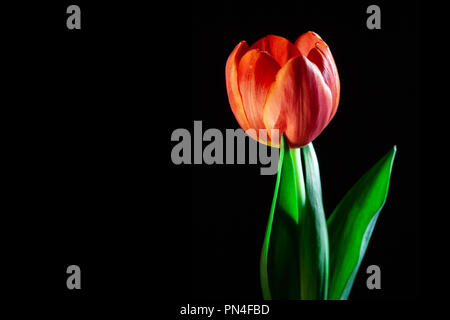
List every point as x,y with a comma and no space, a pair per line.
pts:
74,19
225,149
74,278
374,20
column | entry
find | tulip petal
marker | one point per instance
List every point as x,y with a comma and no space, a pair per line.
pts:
312,46
278,47
231,76
305,99
256,72
329,73
307,41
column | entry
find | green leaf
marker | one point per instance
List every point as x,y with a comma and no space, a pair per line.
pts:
314,254
294,259
351,224
279,258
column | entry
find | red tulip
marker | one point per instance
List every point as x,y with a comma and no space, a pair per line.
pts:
275,84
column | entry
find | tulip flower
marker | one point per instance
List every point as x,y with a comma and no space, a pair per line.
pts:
294,88
275,84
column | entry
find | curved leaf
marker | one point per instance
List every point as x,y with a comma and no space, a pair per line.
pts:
279,258
351,224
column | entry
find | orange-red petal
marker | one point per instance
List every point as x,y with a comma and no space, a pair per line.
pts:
317,51
278,47
256,72
231,76
306,42
301,100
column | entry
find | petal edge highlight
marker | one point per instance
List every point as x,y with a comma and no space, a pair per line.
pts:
256,73
231,78
281,49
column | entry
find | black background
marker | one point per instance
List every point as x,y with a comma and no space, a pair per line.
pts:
91,113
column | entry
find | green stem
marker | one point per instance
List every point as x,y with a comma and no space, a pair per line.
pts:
299,180
314,251
300,192
294,258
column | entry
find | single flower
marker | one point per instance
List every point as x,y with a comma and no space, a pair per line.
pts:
275,84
